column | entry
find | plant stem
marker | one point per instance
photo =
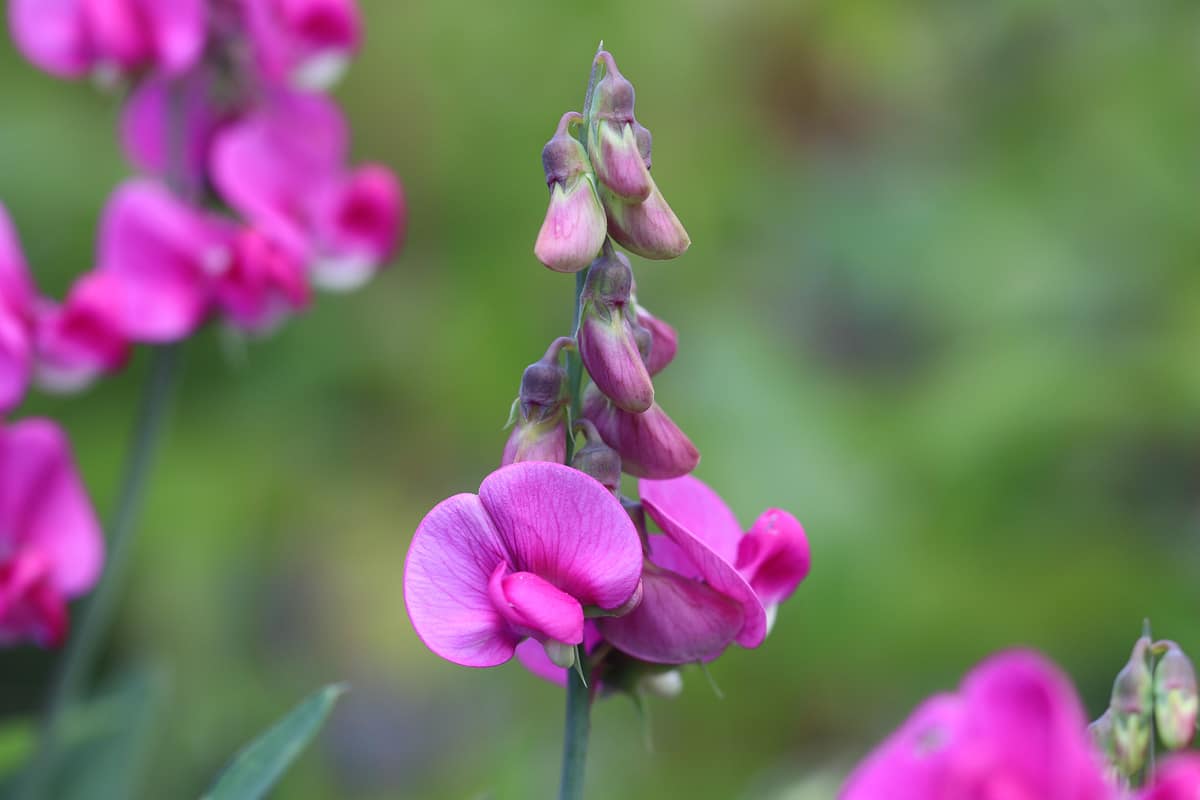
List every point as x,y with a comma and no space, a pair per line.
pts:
95,618
575,733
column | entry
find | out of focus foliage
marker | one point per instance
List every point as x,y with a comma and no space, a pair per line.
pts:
943,303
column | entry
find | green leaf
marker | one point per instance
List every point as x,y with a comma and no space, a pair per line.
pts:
261,763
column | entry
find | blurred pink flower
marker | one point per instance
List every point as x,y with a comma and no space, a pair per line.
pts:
304,42
342,225
1177,778
80,339
71,38
262,284
51,547
160,256
708,584
521,559
16,317
1014,731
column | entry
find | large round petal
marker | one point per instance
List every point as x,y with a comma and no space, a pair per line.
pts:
44,506
911,763
451,560
52,34
774,556
1177,778
567,528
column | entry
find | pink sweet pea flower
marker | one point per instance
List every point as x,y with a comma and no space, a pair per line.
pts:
16,316
71,38
1177,778
522,559
81,339
262,284
651,445
708,584
1014,731
342,225
160,255
306,42
51,548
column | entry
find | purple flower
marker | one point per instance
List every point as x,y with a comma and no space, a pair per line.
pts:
1014,730
662,342
80,339
262,284
648,227
51,549
707,585
1177,778
613,135
522,559
71,38
649,443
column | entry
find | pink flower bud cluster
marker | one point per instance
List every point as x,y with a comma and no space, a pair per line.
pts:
559,563
246,200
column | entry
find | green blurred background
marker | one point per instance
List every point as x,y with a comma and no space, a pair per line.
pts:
942,303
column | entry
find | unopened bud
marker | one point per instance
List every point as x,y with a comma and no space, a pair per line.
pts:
574,228
1175,700
607,335
597,459
540,429
650,444
648,228
615,139
662,341
1132,705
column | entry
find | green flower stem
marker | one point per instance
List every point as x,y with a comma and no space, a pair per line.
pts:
95,619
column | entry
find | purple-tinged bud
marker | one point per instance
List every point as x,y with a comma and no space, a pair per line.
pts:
650,444
597,459
540,430
615,139
607,335
1175,700
574,228
1132,705
648,228
662,341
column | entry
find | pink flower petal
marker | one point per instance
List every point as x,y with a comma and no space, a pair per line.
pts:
30,607
911,763
446,576
1177,778
664,341
81,339
53,35
774,556
693,504
716,571
146,133
567,528
44,507
264,283
610,354
651,445
177,29
535,606
679,620
358,225
16,317
297,39
574,228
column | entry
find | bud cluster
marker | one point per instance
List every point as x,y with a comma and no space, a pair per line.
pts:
1153,699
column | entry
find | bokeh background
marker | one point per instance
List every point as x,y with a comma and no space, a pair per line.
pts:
942,303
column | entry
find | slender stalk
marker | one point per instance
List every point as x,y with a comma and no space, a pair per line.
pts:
95,619
575,734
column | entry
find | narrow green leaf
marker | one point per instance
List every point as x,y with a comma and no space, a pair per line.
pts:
261,763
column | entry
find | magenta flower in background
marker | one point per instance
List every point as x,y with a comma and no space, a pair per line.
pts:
51,548
1015,730
522,559
262,284
81,339
16,317
146,130
71,38
708,584
304,42
1177,778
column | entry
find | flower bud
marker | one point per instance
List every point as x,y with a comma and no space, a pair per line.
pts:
662,342
650,444
1131,706
540,432
597,459
607,335
574,228
648,228
615,139
1175,701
